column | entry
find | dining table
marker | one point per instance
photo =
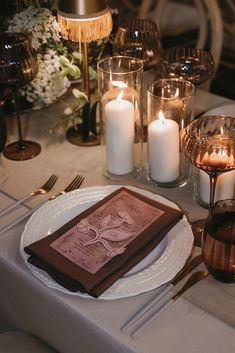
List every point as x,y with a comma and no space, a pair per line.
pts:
202,320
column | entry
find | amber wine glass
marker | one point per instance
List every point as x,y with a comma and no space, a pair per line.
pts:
209,144
139,38
192,64
18,66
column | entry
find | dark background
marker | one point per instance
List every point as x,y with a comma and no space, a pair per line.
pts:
224,79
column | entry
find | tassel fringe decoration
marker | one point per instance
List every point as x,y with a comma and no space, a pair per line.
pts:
86,30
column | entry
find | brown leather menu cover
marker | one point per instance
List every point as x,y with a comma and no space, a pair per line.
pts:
91,251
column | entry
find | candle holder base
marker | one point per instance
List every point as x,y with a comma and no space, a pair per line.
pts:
29,150
123,177
74,136
182,179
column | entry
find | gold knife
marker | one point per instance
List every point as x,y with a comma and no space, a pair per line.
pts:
195,278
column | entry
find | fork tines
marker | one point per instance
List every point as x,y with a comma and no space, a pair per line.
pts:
75,183
49,183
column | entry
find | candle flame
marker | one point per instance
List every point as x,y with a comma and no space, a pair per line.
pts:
120,96
222,131
161,117
176,95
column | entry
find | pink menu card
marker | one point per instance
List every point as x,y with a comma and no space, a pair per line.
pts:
106,232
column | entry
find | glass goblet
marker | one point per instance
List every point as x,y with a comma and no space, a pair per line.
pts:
139,38
18,66
209,144
194,65
218,246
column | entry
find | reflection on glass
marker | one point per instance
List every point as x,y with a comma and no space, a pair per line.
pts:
218,246
18,66
139,38
194,65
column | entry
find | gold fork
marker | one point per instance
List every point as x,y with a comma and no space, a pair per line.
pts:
44,189
75,184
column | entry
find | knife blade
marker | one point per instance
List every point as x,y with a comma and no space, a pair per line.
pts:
162,291
193,279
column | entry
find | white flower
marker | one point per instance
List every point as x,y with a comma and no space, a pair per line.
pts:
48,85
51,81
39,23
68,111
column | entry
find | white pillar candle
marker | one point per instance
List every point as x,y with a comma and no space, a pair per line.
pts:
219,160
119,125
164,156
224,187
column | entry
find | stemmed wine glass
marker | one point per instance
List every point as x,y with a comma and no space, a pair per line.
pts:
209,144
192,64
18,66
139,38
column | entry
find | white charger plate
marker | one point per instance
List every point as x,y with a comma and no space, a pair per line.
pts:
159,267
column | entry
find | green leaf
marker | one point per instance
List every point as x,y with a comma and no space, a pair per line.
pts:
77,55
79,95
64,61
93,73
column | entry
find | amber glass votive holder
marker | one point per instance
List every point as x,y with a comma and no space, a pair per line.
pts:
218,245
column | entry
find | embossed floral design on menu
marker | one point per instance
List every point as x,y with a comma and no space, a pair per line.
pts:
97,237
108,232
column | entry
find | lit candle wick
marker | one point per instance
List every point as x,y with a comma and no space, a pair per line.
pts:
120,96
162,117
176,95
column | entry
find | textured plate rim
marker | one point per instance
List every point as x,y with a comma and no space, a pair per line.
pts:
162,270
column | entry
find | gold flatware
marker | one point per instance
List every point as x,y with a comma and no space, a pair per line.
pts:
162,291
75,184
44,189
193,279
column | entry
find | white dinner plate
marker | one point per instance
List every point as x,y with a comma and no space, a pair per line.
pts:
228,109
159,267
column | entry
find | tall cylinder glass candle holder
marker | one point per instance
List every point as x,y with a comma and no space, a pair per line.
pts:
170,104
120,98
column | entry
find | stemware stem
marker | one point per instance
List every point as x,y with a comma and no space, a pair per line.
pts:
21,143
213,181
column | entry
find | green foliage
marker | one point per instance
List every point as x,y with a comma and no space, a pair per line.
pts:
72,114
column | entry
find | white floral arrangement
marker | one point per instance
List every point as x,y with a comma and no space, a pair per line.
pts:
39,22
51,81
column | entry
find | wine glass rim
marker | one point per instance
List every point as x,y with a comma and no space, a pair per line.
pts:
119,57
173,79
197,121
195,50
229,202
125,25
